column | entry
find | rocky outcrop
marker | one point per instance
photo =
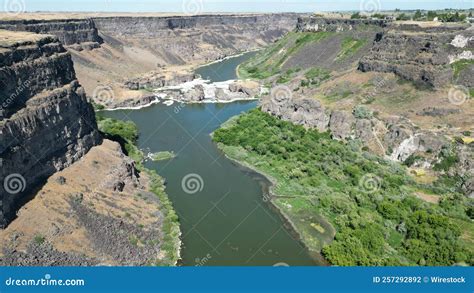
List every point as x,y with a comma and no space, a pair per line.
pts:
421,142
395,137
155,80
47,123
152,25
190,39
116,50
195,94
247,88
321,24
69,31
304,111
420,54
199,91
98,211
341,124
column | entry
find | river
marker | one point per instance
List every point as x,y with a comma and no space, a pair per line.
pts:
223,215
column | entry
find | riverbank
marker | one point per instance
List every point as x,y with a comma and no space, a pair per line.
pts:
241,158
219,85
259,237
170,233
371,201
270,198
226,58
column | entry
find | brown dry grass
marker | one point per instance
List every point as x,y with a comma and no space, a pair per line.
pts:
9,38
48,214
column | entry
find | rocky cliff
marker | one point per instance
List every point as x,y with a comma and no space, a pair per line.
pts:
322,24
188,40
69,31
369,101
98,211
421,54
46,124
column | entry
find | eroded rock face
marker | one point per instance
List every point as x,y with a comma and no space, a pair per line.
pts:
393,137
47,123
196,94
202,38
303,111
80,218
321,24
248,88
419,54
69,31
156,80
341,124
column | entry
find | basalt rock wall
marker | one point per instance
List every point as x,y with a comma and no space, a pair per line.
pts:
46,123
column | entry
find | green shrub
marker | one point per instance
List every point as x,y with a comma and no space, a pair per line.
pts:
362,112
386,226
39,239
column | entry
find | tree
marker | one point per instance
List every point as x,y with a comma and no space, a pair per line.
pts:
470,212
355,15
431,15
403,16
418,15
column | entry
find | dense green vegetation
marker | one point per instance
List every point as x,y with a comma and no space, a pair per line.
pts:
442,16
268,62
370,201
170,226
126,133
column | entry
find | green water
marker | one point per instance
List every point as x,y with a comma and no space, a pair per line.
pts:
227,221
224,70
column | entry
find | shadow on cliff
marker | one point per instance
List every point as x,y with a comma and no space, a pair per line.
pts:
24,198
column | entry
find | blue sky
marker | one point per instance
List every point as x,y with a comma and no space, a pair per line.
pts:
227,5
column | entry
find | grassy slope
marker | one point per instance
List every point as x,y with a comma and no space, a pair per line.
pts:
321,178
126,133
350,46
268,62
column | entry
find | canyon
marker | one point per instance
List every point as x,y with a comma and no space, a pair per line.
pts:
358,97
402,90
63,182
117,58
